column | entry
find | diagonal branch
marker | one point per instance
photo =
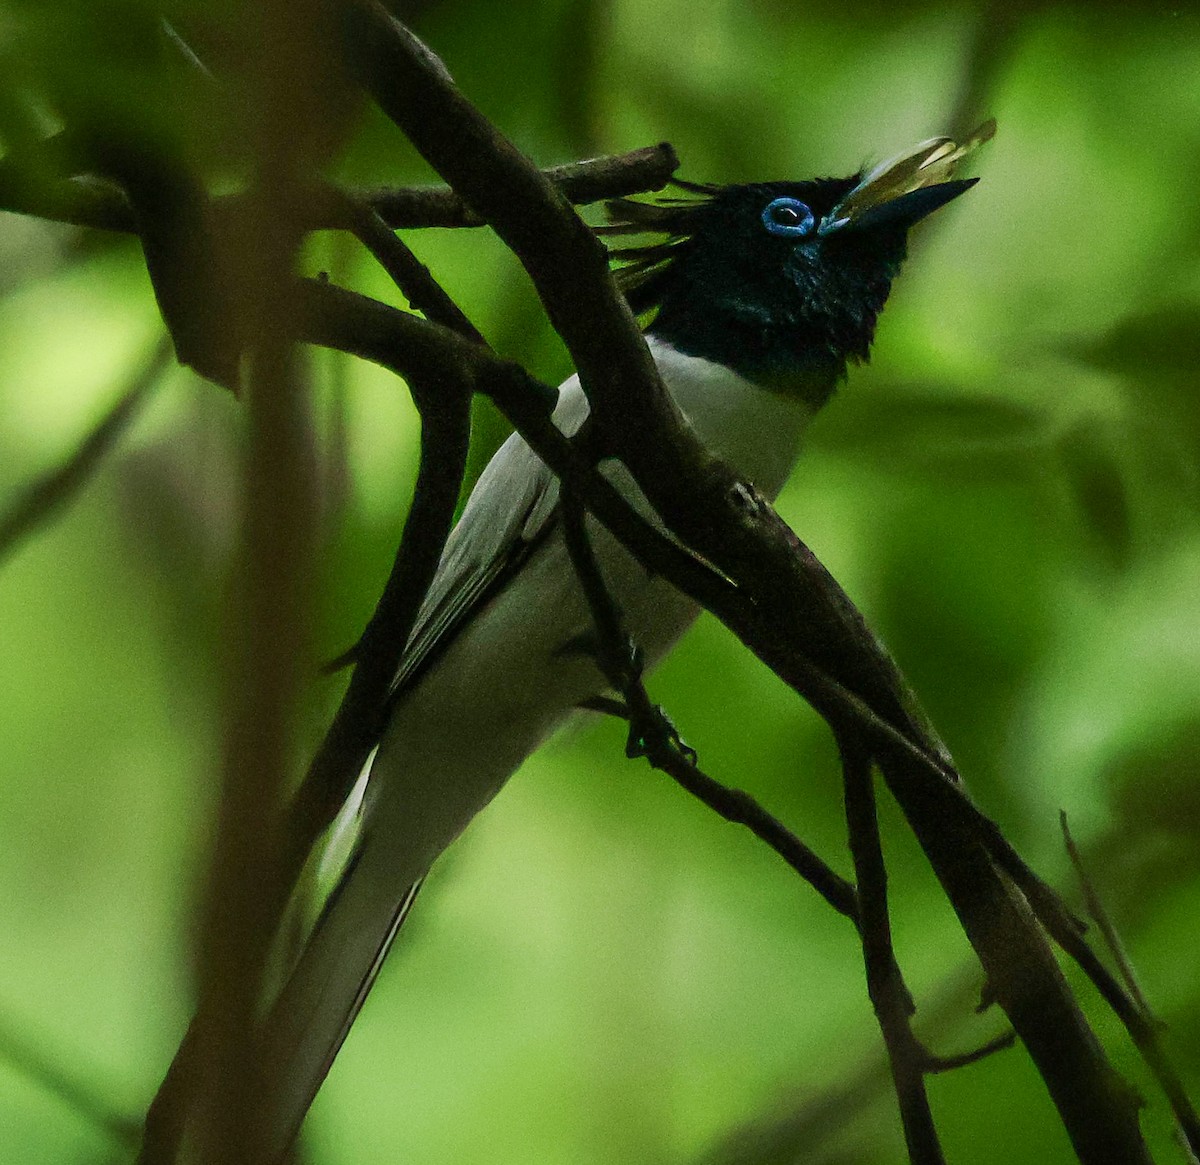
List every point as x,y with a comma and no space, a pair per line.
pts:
407,272
39,501
890,998
1129,1003
651,734
362,714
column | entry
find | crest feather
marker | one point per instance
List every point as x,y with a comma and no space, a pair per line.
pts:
645,265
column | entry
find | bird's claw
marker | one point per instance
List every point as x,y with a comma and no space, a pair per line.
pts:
660,729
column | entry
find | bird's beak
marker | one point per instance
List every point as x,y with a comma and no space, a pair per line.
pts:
903,190
903,212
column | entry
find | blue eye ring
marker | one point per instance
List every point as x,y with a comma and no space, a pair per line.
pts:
788,218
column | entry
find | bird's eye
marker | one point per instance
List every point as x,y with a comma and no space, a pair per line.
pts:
788,217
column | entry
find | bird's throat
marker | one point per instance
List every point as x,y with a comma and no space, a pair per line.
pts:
785,362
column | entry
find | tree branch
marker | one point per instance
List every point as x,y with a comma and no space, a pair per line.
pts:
582,183
413,279
362,715
1130,1004
653,736
889,996
39,501
75,197
269,615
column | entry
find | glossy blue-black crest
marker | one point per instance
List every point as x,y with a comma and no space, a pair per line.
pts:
744,277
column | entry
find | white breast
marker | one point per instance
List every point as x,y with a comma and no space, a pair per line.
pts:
757,431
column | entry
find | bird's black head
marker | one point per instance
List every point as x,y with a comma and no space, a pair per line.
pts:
782,280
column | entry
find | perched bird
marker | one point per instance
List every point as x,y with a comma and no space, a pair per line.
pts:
760,295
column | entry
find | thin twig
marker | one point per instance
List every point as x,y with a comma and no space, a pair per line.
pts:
740,808
801,1127
652,736
42,499
1100,916
936,1064
1131,1004
25,1055
893,1005
583,183
407,272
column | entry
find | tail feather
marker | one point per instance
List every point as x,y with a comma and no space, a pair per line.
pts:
322,997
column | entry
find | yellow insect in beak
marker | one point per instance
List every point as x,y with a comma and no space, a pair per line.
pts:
906,188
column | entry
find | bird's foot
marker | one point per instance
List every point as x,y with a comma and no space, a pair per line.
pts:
657,732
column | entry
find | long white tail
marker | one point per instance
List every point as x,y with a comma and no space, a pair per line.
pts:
326,989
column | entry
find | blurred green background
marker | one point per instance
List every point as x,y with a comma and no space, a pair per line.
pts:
600,971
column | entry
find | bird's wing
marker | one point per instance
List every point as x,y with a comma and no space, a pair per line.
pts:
510,511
